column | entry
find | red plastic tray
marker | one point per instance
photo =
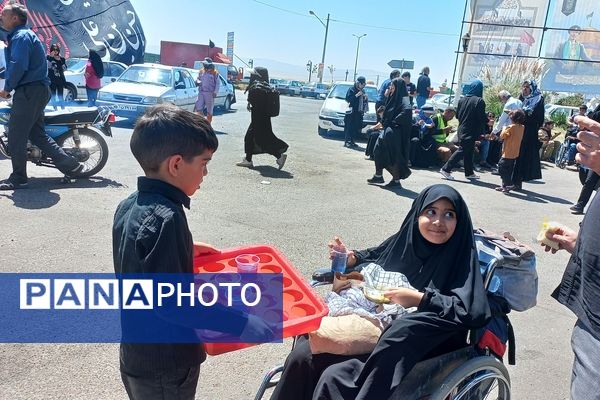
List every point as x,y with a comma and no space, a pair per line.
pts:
303,308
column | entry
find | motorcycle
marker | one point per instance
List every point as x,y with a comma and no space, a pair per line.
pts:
78,131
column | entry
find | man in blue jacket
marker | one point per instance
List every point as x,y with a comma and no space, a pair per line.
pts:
27,74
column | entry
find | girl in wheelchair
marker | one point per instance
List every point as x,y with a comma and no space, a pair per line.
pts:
435,249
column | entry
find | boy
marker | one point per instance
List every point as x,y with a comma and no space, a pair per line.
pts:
511,137
151,235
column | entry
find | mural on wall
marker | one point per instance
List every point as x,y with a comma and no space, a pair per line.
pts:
111,27
569,47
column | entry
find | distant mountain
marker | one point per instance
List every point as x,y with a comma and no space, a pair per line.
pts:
278,69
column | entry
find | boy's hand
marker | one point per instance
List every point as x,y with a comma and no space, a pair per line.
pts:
565,237
204,249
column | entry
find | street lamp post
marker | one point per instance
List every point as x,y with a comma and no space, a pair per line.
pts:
466,39
357,47
326,26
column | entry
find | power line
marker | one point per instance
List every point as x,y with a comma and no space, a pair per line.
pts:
357,23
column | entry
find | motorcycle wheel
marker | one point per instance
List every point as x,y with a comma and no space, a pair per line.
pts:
92,151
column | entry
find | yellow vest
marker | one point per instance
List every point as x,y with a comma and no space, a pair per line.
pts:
440,126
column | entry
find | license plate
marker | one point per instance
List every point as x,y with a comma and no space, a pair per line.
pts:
126,107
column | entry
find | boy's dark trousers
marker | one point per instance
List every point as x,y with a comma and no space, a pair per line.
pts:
176,384
505,169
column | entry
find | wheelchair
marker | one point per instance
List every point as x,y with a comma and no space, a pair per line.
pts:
464,374
562,156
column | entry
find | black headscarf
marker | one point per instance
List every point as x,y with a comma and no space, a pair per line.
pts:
259,75
448,273
96,63
397,106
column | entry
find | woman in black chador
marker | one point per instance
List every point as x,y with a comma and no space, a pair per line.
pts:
528,166
259,137
435,249
392,150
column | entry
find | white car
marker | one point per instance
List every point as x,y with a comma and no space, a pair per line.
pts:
440,101
144,85
331,116
75,87
553,110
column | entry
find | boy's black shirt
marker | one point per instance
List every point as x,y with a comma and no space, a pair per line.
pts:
151,235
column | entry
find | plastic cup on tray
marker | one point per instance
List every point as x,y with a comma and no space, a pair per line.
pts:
247,263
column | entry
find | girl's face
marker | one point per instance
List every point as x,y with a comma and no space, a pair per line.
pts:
437,222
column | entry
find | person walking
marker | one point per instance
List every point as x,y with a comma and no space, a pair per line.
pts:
423,87
393,148
259,137
208,88
410,87
358,103
27,74
56,72
528,166
472,122
94,70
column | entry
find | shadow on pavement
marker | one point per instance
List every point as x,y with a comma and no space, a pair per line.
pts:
39,195
400,191
271,172
220,132
528,195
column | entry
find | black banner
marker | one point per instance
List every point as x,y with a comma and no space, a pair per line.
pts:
110,27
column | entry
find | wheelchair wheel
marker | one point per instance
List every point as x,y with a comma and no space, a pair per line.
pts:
478,379
561,157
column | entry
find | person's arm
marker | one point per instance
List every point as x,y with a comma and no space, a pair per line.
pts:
589,146
482,117
18,63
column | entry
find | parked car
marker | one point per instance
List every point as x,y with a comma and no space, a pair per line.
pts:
144,85
288,87
553,110
226,96
315,90
331,116
75,87
440,101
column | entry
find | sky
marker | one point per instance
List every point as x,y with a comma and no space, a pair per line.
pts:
426,32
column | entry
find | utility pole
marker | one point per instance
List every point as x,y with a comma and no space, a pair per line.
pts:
326,25
346,75
357,47
309,68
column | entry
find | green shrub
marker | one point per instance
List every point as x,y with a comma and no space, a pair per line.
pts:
560,120
574,100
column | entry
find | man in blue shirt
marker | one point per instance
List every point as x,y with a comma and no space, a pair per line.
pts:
384,86
423,87
27,74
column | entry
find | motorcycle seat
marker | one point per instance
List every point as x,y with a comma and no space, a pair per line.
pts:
71,117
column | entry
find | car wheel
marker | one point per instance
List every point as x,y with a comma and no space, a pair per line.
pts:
70,93
227,103
322,131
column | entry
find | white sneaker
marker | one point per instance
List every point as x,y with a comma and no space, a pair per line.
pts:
245,163
472,176
281,160
446,175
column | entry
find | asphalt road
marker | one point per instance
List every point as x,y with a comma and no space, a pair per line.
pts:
321,192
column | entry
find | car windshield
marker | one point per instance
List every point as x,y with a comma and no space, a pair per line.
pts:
76,64
339,92
148,75
283,82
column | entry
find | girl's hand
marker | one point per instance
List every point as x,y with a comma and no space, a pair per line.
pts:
337,245
405,297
